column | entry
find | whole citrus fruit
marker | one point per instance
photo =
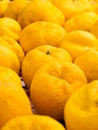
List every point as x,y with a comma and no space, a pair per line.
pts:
88,62
71,8
14,8
38,57
52,85
10,27
41,33
81,111
78,41
40,10
35,122
13,99
83,21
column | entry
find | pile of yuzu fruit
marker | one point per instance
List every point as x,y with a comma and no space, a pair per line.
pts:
52,45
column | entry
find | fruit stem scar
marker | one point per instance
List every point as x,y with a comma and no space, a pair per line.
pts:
48,52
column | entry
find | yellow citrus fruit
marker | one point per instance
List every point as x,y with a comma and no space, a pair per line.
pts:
9,59
41,33
51,0
88,62
9,27
96,1
35,122
94,29
81,111
95,6
71,8
15,7
14,45
9,78
13,99
76,42
83,21
40,10
3,6
93,1
52,85
38,57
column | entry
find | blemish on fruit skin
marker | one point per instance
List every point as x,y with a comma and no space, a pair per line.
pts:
48,52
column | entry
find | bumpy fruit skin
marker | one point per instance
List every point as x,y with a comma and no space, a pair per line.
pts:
3,6
40,10
78,41
52,85
94,29
37,57
41,33
71,8
14,8
81,110
9,59
13,99
88,62
10,28
14,46
76,22
35,122
9,78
